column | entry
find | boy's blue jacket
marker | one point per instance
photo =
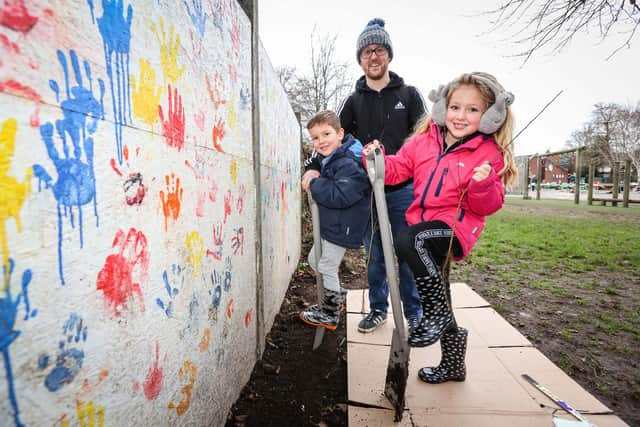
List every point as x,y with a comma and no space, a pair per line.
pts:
342,192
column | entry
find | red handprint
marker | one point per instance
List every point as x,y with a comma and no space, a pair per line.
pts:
173,126
115,279
228,201
217,134
134,189
153,381
173,199
240,200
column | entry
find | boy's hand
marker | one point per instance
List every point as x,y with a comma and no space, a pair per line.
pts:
307,177
370,147
481,172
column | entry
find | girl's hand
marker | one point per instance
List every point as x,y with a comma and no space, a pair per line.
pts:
370,147
481,172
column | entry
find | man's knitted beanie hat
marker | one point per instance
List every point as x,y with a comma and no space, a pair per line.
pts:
374,33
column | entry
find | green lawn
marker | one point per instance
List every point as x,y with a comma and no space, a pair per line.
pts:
567,276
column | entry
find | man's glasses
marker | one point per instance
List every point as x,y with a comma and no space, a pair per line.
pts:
379,51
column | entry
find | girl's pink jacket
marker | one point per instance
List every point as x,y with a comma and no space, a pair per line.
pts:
441,178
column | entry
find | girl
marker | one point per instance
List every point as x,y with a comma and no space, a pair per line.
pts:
460,158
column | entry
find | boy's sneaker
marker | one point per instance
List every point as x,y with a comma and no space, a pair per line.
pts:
371,321
316,316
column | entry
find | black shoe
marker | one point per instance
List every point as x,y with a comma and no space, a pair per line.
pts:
371,321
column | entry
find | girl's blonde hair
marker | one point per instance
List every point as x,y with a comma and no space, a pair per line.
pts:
503,136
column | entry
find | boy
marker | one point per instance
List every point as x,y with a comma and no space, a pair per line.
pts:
342,192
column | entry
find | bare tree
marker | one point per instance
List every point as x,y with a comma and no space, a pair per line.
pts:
326,85
612,134
538,24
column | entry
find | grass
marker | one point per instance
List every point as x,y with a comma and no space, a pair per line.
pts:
567,276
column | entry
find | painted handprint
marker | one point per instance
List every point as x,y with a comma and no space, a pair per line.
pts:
155,375
197,15
237,241
69,359
13,193
75,185
116,279
173,125
8,333
168,52
217,133
145,95
228,202
172,200
133,187
115,29
16,16
227,274
188,371
195,251
206,186
216,90
216,294
171,289
242,192
218,242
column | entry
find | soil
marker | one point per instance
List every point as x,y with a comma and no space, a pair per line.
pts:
294,385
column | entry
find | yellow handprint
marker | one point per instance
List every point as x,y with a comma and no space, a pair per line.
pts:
145,97
168,52
12,193
88,415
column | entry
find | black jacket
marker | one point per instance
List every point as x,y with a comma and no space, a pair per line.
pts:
342,192
388,116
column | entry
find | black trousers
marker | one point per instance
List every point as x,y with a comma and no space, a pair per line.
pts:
424,247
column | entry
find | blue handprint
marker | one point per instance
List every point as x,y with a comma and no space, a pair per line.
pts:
76,182
216,293
115,30
198,17
69,360
8,314
171,291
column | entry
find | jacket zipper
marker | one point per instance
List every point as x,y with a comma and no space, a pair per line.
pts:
439,187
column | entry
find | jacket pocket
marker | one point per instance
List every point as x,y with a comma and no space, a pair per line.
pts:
441,181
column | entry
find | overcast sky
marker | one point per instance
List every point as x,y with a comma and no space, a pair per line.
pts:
434,42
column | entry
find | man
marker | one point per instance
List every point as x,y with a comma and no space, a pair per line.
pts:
382,107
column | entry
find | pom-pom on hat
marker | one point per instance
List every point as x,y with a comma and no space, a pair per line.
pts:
374,33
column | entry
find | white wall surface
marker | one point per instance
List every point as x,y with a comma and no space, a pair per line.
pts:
127,210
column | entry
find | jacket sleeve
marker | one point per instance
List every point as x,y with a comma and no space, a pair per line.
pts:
313,162
417,107
399,167
347,187
487,196
345,112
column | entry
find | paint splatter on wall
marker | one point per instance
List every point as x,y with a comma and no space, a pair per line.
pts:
127,211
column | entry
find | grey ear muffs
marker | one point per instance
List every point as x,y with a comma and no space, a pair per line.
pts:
491,120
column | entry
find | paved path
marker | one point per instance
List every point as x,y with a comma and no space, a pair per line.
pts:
494,393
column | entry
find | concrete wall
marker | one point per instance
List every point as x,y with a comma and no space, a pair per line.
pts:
128,210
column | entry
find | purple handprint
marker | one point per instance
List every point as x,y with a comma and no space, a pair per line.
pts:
75,185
